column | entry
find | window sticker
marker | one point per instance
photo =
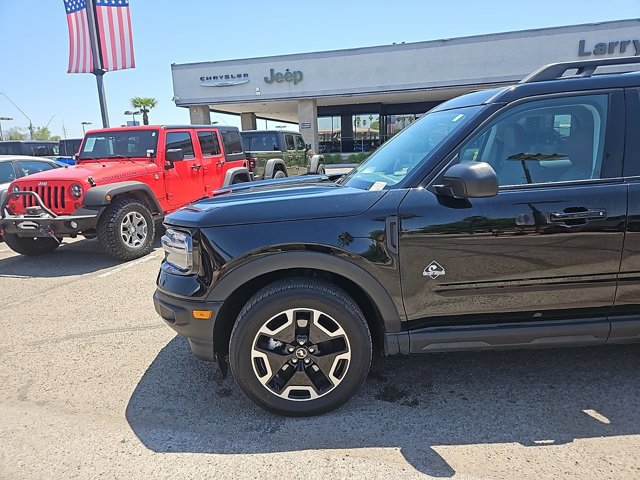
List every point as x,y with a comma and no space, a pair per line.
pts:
377,186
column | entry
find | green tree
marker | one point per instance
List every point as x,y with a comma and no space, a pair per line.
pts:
144,104
41,133
16,133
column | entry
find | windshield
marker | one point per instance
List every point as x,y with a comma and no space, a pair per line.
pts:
125,143
392,162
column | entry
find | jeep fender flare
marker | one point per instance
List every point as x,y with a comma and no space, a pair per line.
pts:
378,295
314,163
234,173
97,196
270,167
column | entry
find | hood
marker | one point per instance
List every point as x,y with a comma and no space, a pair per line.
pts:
101,172
276,201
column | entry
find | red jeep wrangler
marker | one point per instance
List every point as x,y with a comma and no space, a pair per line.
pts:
125,180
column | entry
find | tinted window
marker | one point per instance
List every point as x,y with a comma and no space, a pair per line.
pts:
209,143
231,141
180,140
544,141
289,141
7,174
260,142
300,143
29,167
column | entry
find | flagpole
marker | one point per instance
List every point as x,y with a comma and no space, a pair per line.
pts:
98,71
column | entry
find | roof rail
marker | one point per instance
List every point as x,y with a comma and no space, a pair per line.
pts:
585,68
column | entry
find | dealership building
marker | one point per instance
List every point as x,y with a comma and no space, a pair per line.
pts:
352,100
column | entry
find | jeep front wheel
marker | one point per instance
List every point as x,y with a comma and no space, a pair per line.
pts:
300,347
31,245
126,229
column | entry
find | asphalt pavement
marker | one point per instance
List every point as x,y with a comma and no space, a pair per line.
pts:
94,385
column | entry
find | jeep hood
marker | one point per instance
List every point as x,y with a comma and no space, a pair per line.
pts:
276,201
102,173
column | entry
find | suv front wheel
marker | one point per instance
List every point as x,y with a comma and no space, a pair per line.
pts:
31,245
126,229
300,347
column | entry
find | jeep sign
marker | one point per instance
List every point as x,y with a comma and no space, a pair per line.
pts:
287,76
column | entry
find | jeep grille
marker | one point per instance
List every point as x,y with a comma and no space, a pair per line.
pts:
52,197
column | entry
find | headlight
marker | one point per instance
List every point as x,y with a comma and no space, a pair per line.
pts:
76,190
15,189
178,248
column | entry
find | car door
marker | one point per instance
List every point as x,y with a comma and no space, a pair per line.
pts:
301,153
625,321
184,182
290,155
546,248
212,160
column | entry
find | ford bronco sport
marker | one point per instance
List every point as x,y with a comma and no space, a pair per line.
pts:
504,218
125,180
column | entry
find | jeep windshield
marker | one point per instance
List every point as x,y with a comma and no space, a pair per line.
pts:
123,143
393,161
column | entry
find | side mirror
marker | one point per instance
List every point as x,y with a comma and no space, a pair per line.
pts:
172,155
76,157
307,146
151,153
469,180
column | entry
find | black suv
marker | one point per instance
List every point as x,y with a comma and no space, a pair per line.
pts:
503,218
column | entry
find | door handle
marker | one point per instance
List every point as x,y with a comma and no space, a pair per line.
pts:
196,166
580,214
220,163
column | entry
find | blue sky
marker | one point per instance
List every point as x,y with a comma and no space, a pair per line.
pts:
34,39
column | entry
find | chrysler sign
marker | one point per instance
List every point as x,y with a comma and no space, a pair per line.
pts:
226,80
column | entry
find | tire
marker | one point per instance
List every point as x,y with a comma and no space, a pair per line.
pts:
126,229
239,179
31,246
279,174
336,342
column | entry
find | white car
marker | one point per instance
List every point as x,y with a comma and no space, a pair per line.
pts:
16,166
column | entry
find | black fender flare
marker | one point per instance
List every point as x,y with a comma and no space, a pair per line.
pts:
232,173
97,196
270,167
269,263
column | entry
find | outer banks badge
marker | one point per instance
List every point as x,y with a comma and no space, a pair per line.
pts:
433,270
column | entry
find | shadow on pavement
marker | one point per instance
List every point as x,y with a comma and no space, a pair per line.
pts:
534,398
76,258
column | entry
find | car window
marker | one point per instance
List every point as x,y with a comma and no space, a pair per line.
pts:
289,142
7,175
259,142
554,140
180,140
30,167
231,141
300,145
209,143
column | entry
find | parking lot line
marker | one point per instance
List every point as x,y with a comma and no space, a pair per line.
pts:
127,265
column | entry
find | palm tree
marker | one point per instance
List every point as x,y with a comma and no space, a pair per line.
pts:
144,104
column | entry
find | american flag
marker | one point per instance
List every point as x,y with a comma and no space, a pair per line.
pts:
116,39
80,58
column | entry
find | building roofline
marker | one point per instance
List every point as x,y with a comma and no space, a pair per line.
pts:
485,37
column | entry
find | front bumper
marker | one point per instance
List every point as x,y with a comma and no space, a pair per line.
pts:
178,314
45,223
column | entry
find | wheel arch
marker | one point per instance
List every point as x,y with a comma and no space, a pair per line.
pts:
272,166
234,290
105,194
235,173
